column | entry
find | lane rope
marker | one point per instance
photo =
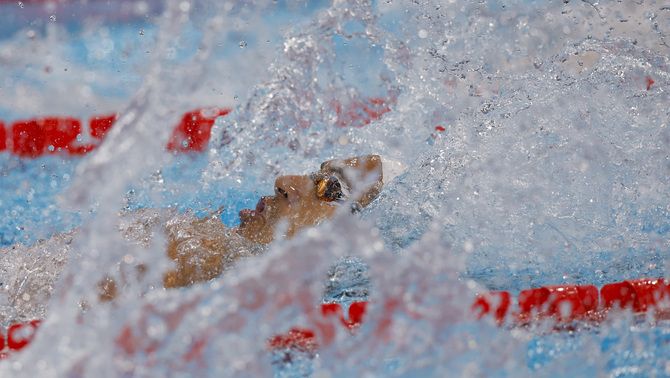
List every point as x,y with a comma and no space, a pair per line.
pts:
39,136
65,135
562,304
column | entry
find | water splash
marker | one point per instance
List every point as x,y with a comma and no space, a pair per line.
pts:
550,166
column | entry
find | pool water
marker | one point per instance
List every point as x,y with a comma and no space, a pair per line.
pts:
534,139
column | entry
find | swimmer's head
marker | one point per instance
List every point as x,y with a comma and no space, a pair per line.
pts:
304,201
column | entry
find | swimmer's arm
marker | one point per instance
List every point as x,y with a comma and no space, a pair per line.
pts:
200,248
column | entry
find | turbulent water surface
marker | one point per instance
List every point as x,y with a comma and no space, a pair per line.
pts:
533,138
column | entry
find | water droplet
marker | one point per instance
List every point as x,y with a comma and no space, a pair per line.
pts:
243,44
468,246
184,6
141,8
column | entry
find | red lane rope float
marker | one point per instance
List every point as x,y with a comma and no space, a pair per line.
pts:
561,303
649,81
36,137
3,137
17,337
306,340
565,303
361,113
640,295
496,303
193,132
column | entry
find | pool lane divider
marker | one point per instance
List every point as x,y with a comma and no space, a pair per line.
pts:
64,135
565,304
562,304
35,137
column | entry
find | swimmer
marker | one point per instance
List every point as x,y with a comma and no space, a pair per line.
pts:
201,249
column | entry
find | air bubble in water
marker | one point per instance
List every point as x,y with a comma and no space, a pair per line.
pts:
243,44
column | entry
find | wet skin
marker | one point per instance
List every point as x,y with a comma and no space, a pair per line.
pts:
304,201
299,201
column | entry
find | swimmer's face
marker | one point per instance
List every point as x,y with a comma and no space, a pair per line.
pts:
304,201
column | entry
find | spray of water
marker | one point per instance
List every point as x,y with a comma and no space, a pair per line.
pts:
549,165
